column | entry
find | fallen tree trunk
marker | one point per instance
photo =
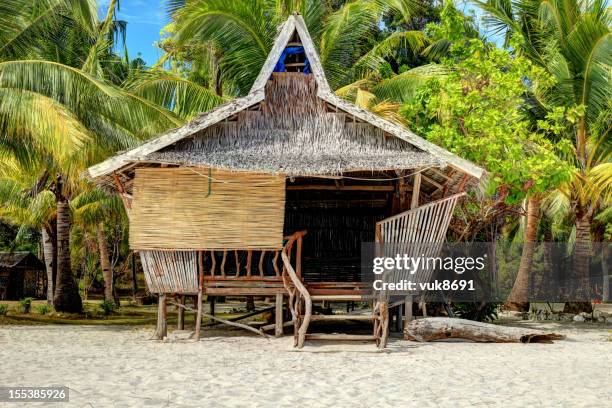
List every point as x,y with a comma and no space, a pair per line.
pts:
437,328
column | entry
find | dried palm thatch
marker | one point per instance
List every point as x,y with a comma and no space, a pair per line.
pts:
187,208
294,134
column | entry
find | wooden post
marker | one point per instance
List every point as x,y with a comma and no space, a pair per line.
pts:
161,329
384,314
278,329
407,310
399,323
416,190
134,281
423,308
213,300
198,324
181,314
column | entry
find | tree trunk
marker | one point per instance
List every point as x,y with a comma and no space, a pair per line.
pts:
545,288
579,282
67,298
107,272
519,296
440,328
48,239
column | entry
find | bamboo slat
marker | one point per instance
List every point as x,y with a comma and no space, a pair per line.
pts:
202,209
170,271
418,232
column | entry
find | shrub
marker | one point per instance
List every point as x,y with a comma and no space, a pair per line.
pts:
43,309
108,307
3,309
26,304
482,312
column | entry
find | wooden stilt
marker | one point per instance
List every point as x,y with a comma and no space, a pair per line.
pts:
181,314
423,308
278,330
213,300
384,315
198,324
407,310
161,329
399,323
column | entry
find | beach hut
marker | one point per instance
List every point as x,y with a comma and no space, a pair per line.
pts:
22,274
273,193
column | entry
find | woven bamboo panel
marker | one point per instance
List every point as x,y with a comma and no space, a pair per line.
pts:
196,208
170,271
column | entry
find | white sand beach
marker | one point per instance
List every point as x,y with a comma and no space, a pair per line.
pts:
120,367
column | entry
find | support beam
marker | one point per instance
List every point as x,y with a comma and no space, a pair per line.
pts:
180,325
161,330
198,323
416,190
278,330
407,310
386,188
224,321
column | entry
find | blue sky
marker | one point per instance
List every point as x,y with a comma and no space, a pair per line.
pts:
145,20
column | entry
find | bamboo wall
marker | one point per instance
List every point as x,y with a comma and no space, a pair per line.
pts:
170,271
198,209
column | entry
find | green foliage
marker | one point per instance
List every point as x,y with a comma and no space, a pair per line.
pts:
481,312
43,309
477,111
25,304
107,307
3,309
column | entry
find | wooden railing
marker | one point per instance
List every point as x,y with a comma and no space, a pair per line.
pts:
233,265
300,303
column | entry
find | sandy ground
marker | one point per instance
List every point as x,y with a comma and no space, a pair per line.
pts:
119,367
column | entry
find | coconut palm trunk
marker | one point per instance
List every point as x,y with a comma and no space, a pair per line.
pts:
67,298
519,296
107,272
48,244
580,279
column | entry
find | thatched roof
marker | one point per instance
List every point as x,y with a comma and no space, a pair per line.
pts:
299,137
291,124
20,258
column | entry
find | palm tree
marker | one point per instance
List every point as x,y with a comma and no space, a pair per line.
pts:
572,41
240,33
57,107
93,209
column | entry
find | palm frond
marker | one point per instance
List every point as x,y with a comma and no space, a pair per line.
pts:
402,87
183,97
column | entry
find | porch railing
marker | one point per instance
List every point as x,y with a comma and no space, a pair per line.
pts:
300,302
243,265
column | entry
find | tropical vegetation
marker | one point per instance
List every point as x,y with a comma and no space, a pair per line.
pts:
534,110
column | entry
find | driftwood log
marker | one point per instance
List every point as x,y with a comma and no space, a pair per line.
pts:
437,328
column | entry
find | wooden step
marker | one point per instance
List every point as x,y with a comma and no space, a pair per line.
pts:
368,317
339,336
340,298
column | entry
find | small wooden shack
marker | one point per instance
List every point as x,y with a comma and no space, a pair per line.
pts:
22,274
273,193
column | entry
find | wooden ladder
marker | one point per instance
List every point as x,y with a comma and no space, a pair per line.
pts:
371,317
301,301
